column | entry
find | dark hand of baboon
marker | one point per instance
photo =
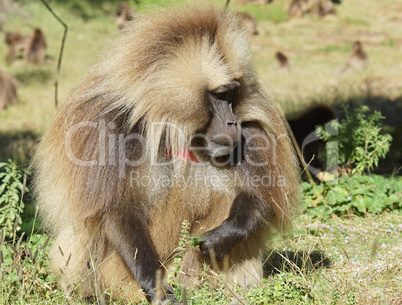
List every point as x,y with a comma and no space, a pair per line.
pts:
244,219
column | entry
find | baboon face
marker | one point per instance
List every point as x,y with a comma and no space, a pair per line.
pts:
209,112
223,130
201,86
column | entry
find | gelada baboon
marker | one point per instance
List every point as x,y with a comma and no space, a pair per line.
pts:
16,43
359,58
322,7
36,51
8,89
283,60
252,1
249,22
32,46
124,14
170,125
298,8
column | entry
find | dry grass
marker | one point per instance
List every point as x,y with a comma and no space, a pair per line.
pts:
365,258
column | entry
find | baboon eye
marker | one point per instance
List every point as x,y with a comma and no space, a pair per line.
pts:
225,92
224,96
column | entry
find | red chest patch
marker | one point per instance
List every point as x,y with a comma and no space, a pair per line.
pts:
185,155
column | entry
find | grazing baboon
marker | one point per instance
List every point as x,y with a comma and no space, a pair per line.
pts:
322,7
283,60
36,51
249,22
359,58
33,47
8,89
298,8
16,43
170,125
252,1
304,124
124,14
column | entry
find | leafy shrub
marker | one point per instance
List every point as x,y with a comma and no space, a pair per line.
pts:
360,138
12,189
356,195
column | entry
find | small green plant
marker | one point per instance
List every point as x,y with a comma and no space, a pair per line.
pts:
360,138
24,271
185,240
356,195
12,190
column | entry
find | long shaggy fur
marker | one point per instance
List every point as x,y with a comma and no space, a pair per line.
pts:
152,82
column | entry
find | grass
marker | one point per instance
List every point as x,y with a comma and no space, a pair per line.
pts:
364,253
358,261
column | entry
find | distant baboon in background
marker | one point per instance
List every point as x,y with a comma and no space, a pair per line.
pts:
124,14
298,8
252,1
304,124
359,58
322,7
8,89
16,43
249,22
282,60
33,47
36,51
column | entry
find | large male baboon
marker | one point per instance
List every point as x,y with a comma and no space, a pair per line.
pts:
170,125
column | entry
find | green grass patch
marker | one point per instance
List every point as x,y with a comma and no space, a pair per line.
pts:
335,48
274,12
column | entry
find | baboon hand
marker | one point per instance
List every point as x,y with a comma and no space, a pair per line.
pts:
221,240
